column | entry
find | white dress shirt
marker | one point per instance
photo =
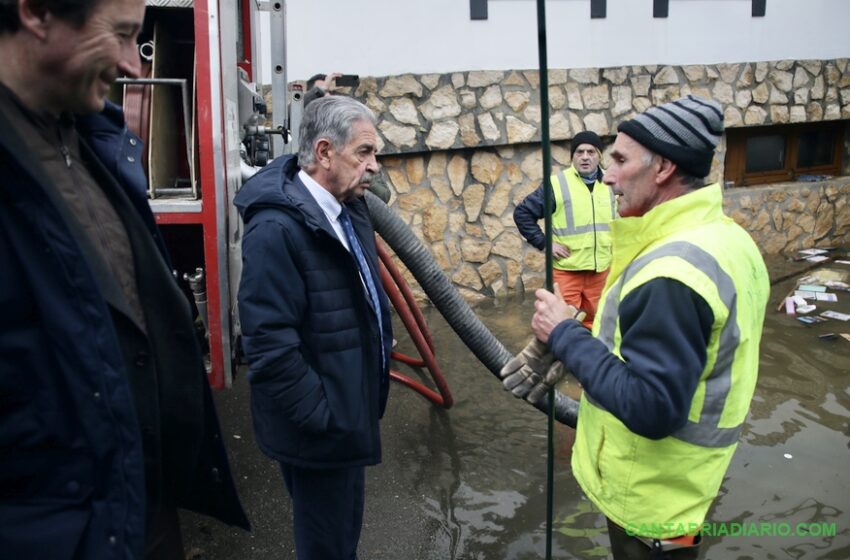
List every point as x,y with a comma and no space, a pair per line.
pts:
329,205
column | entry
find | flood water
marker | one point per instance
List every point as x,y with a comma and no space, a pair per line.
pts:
470,482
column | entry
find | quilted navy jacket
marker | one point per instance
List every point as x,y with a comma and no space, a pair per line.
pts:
318,382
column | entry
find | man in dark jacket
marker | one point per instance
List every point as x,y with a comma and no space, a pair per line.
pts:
315,322
320,85
106,419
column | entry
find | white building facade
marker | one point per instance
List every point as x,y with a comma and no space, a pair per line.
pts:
458,103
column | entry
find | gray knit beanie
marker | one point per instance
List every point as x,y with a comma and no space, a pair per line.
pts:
685,131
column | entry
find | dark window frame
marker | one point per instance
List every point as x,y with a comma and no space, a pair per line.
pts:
736,153
477,9
598,9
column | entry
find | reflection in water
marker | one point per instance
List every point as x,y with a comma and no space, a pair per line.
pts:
441,445
585,524
791,466
478,471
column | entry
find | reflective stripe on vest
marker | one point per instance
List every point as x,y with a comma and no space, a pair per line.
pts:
706,432
571,228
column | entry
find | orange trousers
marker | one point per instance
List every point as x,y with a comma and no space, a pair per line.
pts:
581,289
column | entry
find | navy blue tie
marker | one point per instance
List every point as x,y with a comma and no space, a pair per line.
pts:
365,273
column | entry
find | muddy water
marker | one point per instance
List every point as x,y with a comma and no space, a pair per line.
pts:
470,482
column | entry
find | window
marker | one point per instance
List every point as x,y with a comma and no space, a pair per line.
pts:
772,154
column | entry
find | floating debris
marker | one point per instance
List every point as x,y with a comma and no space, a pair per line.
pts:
824,275
817,258
805,294
789,306
836,315
811,288
836,285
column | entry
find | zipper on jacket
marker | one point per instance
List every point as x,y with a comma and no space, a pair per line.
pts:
66,153
63,145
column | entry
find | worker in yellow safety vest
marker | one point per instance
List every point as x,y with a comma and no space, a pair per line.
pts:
581,241
670,367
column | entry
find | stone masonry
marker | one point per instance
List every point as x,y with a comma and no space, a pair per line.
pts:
460,150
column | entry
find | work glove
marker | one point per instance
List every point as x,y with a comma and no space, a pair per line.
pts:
530,374
553,377
525,370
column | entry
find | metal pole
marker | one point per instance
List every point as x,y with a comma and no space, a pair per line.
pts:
280,90
547,217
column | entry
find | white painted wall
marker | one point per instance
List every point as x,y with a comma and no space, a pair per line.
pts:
386,37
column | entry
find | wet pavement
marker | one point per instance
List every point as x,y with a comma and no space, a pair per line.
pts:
470,482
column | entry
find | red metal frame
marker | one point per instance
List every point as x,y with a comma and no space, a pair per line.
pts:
209,205
177,218
411,316
247,40
207,173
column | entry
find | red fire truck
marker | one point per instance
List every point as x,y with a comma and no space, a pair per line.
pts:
195,107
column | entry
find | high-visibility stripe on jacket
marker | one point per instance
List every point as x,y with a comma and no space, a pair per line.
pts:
581,221
670,483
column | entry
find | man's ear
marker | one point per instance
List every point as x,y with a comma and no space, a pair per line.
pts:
34,19
323,150
666,170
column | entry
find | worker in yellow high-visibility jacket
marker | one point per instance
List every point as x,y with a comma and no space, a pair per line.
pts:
670,367
581,239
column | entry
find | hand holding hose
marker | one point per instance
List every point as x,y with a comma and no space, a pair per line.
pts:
525,370
550,311
554,375
521,375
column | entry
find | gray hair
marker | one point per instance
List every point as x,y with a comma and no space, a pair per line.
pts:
329,117
688,180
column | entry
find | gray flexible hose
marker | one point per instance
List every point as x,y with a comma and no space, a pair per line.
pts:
449,302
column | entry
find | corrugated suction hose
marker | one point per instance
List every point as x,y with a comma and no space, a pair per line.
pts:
449,302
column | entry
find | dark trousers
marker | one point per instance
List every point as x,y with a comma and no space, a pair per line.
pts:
625,547
327,511
163,540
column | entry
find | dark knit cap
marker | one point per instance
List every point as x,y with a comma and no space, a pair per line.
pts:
685,131
586,137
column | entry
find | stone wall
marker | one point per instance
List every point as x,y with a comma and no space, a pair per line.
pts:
461,150
787,217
